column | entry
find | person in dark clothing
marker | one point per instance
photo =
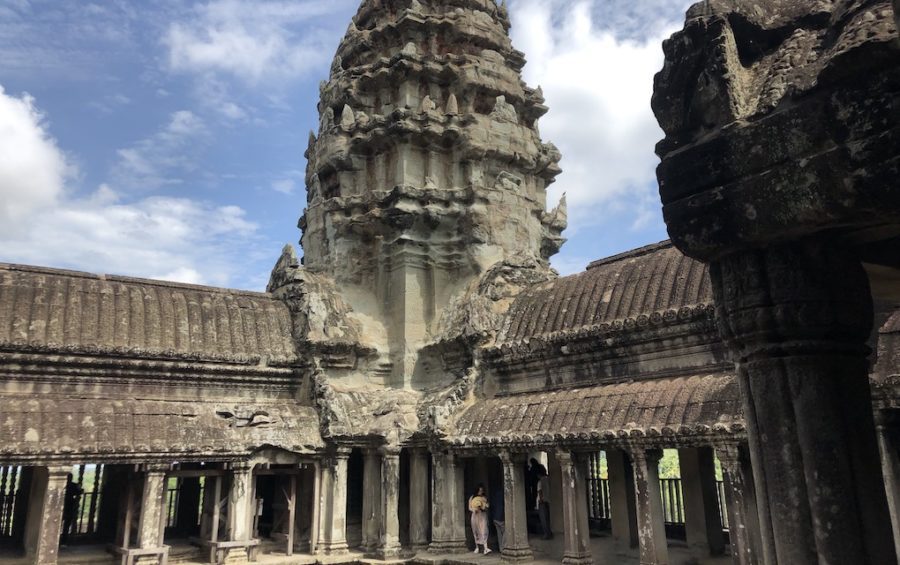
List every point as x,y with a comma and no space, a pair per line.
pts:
543,505
498,515
533,474
70,507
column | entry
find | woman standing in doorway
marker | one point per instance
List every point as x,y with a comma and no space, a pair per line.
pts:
478,506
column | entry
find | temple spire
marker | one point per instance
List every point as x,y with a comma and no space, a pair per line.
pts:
426,170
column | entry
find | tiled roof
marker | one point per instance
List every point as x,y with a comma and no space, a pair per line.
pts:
654,280
64,311
684,405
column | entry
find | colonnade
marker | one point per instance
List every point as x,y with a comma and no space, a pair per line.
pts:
229,498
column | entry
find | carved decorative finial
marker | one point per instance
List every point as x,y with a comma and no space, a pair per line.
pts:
410,49
427,105
452,105
348,118
337,64
504,111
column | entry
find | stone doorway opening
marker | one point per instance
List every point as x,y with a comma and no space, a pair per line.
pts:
486,471
283,517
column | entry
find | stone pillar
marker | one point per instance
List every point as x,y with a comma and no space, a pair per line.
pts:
743,518
419,516
703,523
622,503
651,521
45,508
890,465
371,505
151,524
241,508
317,511
389,542
333,502
517,548
458,501
574,505
796,318
307,503
448,505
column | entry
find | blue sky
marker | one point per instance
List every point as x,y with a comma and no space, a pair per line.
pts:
165,139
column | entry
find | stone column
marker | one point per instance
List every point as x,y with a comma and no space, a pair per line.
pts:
574,506
418,498
371,504
622,504
389,542
703,524
743,518
458,501
153,502
45,508
241,508
890,465
333,502
317,511
448,505
517,548
796,318
651,522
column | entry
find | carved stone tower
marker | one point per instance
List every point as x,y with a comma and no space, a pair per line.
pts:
428,167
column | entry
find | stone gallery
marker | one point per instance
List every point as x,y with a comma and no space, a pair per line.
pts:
423,346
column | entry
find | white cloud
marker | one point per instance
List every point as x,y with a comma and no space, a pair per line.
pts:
32,168
251,40
158,237
160,159
598,82
284,186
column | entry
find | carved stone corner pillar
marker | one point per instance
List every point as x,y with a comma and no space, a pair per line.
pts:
622,499
651,521
46,501
703,524
332,539
740,500
241,509
389,543
151,524
371,504
796,318
890,463
516,548
575,513
419,513
448,505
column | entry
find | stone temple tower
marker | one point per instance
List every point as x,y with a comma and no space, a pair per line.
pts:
428,167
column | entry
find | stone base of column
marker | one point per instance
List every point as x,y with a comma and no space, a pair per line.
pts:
441,547
337,548
516,555
147,560
237,555
417,547
388,553
577,559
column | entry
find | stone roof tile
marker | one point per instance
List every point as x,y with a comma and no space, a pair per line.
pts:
55,310
651,280
700,402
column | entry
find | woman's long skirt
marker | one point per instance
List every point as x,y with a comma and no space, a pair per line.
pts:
480,527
